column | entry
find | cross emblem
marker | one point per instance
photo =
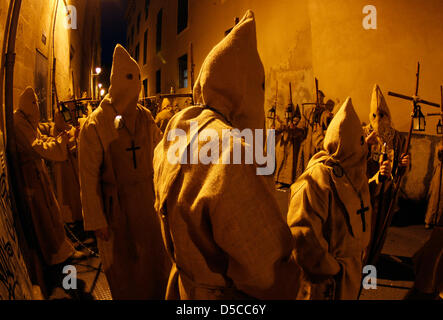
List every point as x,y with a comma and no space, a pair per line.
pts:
362,212
133,148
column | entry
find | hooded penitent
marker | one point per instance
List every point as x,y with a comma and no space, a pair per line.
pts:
231,69
287,147
125,80
66,173
33,148
117,191
381,193
329,213
228,235
166,113
380,117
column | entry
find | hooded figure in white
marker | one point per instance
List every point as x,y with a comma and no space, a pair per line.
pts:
330,212
116,149
221,223
33,148
382,192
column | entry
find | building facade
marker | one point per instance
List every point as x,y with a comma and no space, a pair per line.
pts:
65,30
298,41
56,52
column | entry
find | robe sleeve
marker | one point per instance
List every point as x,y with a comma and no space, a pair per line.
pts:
307,216
90,161
45,128
157,134
249,228
47,147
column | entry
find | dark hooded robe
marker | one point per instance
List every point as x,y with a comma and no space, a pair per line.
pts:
382,193
166,113
287,147
116,179
329,212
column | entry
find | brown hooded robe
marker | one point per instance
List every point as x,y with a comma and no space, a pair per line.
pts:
32,149
382,193
324,217
227,236
66,175
287,147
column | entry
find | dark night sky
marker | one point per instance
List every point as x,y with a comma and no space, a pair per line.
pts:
113,31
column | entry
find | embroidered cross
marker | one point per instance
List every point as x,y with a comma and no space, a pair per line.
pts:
362,212
133,148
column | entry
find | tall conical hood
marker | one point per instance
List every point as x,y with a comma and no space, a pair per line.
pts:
345,143
231,79
28,104
125,80
379,115
166,103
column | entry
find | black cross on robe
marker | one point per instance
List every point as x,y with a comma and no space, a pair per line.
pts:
362,212
133,148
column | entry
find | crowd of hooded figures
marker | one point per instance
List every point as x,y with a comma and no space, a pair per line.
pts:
215,231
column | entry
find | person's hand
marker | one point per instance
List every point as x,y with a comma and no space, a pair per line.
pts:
385,168
77,132
405,160
103,234
371,138
64,138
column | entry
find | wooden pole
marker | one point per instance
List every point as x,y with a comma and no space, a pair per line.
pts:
377,246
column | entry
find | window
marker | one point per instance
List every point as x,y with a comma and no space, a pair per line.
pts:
159,31
145,88
147,2
158,81
182,15
137,52
138,23
183,71
145,47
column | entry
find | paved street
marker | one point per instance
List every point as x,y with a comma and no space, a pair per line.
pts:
395,276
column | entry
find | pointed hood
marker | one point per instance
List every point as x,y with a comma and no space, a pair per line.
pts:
125,81
379,114
231,79
344,144
345,156
344,140
28,104
166,103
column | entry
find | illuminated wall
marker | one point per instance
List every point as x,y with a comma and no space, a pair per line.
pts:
349,60
76,50
73,49
303,39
